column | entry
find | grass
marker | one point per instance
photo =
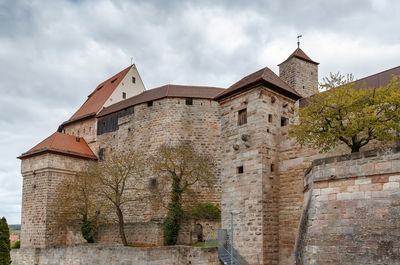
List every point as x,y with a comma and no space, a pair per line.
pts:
203,244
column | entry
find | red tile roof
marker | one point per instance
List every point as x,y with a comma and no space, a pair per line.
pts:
100,95
375,80
167,91
298,53
262,76
63,144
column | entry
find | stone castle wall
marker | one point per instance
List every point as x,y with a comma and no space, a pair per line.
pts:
353,213
167,121
255,192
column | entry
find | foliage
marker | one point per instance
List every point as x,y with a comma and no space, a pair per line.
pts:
349,113
16,244
77,198
180,167
120,177
89,227
206,211
4,242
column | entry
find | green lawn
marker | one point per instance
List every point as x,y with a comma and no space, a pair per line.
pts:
203,244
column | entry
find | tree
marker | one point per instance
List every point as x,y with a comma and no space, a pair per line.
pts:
4,242
78,203
349,113
120,181
180,167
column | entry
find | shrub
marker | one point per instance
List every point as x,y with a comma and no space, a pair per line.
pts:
206,211
88,228
16,244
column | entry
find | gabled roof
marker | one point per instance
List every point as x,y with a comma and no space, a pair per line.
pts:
167,91
62,144
100,95
263,76
376,80
298,53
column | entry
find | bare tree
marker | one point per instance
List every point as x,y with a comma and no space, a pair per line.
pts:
117,177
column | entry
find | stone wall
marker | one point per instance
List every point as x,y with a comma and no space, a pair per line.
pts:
168,121
137,234
115,255
353,215
255,192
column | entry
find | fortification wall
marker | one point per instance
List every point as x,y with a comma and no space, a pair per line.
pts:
353,213
169,121
112,255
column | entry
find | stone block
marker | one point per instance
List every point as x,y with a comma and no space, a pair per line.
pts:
360,181
391,186
344,196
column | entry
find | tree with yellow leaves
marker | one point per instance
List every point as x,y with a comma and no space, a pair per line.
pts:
350,113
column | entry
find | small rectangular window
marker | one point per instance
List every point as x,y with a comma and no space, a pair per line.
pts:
269,117
150,103
123,95
272,168
189,101
242,117
101,154
283,121
239,170
133,79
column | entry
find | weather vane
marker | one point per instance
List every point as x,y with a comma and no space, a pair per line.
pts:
298,40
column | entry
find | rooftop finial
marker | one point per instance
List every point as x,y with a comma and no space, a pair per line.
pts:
298,40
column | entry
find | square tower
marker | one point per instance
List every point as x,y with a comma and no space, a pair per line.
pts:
300,72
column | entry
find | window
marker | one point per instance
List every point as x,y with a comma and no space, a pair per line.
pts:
272,168
123,95
101,153
150,103
189,101
133,79
239,170
242,117
269,117
153,183
283,121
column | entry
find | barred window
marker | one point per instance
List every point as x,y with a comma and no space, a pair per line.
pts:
242,117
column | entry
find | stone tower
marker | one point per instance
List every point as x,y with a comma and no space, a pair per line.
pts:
300,72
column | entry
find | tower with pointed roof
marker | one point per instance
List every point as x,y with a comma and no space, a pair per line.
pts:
300,72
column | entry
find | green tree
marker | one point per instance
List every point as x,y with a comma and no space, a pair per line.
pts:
4,242
179,167
349,113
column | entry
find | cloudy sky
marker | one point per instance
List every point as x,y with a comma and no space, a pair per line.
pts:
54,53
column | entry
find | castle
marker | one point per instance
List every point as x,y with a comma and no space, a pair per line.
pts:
244,128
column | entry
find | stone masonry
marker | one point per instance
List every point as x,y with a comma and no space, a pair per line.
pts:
353,216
